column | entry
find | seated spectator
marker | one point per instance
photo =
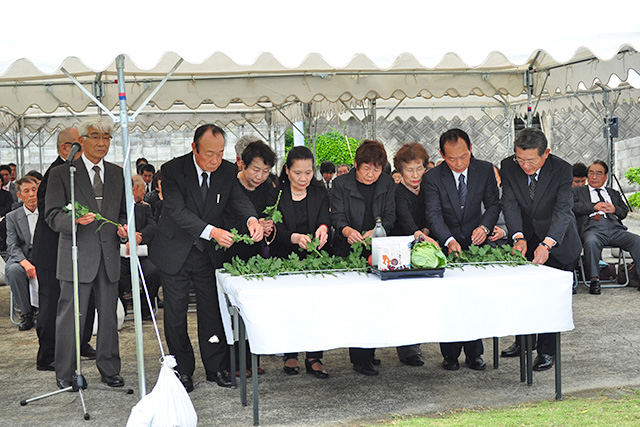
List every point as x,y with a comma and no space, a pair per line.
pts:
145,229
154,199
579,174
397,176
328,171
342,169
147,175
7,183
599,211
19,270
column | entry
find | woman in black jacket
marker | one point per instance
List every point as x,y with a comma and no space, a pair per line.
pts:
304,205
357,198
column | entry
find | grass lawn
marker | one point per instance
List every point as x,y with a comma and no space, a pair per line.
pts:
609,408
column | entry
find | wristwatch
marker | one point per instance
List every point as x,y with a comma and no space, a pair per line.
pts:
486,230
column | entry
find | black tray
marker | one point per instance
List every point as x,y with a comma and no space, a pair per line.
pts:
411,272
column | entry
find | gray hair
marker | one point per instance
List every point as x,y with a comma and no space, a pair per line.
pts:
101,124
65,134
137,180
530,138
243,141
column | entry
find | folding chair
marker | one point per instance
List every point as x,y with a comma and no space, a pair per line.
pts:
622,263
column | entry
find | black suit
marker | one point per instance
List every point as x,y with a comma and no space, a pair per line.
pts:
548,214
607,230
45,254
184,257
447,218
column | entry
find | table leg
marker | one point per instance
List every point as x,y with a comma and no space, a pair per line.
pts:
495,353
243,363
521,341
558,369
529,359
254,380
232,351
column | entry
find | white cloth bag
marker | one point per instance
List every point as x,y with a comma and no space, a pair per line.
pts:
167,405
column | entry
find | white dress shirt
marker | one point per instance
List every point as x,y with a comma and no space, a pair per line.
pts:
32,218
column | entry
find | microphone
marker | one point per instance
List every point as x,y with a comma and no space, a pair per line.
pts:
75,148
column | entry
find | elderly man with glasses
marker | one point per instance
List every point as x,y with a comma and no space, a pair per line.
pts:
537,203
600,211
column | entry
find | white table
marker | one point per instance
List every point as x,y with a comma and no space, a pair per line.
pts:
358,310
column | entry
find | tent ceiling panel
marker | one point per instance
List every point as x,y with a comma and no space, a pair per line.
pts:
221,81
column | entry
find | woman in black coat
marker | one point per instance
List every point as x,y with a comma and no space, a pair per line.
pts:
304,205
357,198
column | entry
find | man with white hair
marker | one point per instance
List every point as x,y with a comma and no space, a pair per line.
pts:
99,186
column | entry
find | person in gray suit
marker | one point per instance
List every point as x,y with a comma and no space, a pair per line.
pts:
21,224
537,203
600,211
99,185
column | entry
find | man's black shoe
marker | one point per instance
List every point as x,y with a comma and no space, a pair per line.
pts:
65,384
414,360
88,352
512,351
50,367
375,361
27,322
594,287
186,381
113,381
476,363
222,378
365,369
543,362
450,363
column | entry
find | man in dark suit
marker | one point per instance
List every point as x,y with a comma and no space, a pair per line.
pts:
21,225
197,187
537,204
99,185
600,211
455,192
44,256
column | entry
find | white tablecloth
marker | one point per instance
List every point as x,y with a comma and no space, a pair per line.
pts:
297,313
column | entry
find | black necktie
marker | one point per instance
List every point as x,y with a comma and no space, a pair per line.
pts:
598,190
98,187
462,191
532,186
204,187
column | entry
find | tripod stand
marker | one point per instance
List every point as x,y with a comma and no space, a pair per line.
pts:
78,382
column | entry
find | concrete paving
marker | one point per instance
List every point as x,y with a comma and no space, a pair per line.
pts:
602,352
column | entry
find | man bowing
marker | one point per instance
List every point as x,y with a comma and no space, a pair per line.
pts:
197,187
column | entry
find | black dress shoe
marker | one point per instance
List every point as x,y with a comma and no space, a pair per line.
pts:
450,363
221,378
543,362
88,352
512,351
113,381
594,287
414,360
27,322
476,363
375,361
322,373
50,367
186,381
365,369
65,384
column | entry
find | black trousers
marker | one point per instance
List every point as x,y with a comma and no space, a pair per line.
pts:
453,349
199,270
361,356
151,277
48,294
546,343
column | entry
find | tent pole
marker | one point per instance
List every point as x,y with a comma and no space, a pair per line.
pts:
20,148
528,82
607,133
133,250
372,119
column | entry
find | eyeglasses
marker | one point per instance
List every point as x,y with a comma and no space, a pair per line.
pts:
528,162
596,173
97,137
